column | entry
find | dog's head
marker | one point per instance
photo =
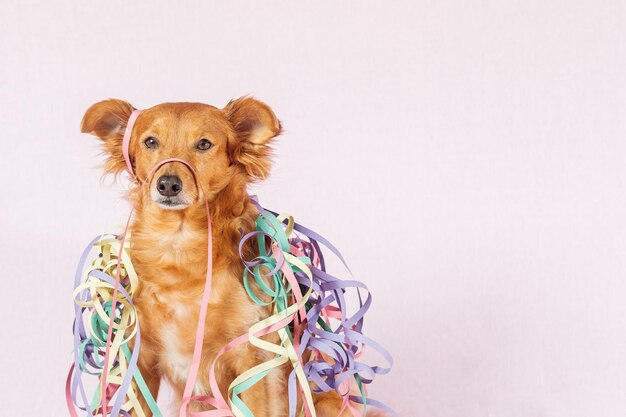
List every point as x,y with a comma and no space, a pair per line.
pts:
221,145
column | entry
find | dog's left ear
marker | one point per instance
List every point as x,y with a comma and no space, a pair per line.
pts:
255,126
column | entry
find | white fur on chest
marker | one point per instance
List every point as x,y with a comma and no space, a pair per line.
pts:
175,360
174,245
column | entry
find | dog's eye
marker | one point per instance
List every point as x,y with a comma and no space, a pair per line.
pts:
151,142
204,145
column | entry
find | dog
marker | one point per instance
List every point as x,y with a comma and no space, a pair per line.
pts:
228,148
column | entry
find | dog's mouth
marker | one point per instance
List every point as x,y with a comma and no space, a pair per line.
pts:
172,203
176,202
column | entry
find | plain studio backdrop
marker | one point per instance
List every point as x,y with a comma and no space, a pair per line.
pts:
467,157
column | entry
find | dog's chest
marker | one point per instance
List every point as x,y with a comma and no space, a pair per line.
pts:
177,337
176,334
230,313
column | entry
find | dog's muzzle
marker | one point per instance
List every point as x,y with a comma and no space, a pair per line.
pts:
168,192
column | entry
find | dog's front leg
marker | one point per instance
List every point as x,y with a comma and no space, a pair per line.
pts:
328,404
266,398
148,366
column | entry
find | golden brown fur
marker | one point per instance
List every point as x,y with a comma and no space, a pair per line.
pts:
169,247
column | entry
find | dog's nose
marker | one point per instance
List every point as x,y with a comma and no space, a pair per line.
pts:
169,185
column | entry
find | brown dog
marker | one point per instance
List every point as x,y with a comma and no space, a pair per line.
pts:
228,148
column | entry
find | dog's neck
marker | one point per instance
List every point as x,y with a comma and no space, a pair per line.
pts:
176,240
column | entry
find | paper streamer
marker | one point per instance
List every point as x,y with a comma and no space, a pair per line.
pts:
309,313
327,328
93,296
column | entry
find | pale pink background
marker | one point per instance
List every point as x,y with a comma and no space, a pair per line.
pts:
467,157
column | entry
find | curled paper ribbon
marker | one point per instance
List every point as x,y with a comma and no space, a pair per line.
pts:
93,295
309,313
332,336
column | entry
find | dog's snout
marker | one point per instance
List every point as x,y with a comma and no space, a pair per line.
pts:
169,185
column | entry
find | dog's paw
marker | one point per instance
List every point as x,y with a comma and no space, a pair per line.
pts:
374,412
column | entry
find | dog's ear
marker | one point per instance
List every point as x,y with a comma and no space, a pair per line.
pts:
255,126
107,120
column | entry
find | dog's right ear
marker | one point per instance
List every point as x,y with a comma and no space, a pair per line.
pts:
107,120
